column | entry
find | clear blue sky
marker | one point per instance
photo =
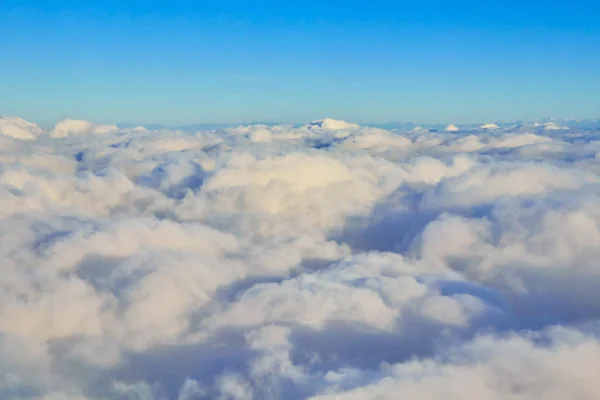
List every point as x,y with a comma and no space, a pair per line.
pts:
179,62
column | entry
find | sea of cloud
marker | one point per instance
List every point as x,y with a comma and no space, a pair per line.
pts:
326,261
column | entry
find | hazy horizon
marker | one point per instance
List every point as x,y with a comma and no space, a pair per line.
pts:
390,123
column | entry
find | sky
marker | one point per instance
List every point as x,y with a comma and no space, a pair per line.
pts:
183,62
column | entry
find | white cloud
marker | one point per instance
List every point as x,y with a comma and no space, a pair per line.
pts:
323,261
489,126
69,127
492,368
332,124
18,128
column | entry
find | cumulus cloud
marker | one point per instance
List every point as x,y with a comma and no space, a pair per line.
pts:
19,128
323,261
69,127
332,124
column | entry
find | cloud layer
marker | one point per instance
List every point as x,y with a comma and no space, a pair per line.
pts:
324,261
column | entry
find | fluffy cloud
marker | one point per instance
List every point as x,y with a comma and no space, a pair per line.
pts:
69,127
332,124
19,128
320,261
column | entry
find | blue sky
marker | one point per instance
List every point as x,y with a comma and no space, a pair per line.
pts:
182,62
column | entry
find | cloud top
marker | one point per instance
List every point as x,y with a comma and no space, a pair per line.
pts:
70,127
323,261
332,124
18,128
